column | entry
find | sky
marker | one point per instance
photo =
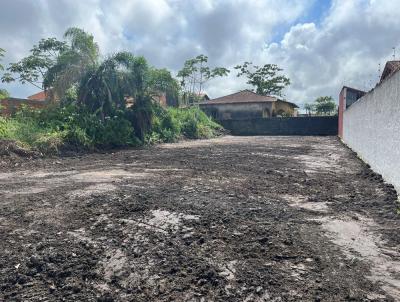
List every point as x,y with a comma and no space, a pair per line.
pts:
321,45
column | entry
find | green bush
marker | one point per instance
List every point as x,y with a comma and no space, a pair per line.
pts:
57,127
49,143
194,123
115,132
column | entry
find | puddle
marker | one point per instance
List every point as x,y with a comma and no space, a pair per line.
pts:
300,201
357,241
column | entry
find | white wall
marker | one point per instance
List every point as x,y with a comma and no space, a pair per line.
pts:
371,127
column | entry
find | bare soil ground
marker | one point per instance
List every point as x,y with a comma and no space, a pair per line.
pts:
227,219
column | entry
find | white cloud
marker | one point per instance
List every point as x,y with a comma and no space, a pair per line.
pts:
344,47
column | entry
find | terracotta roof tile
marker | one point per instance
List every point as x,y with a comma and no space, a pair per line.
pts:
40,96
244,96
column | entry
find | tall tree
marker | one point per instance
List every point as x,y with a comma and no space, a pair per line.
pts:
56,64
309,108
3,93
33,68
195,74
265,79
73,62
2,51
104,87
325,105
161,81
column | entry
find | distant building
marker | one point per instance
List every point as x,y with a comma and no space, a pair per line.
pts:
190,99
247,104
40,96
347,97
391,67
160,99
9,106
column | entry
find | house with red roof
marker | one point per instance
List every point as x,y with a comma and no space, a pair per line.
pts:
247,104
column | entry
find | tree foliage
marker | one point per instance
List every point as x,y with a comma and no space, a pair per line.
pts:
195,74
33,68
161,81
104,88
2,51
325,105
3,93
56,64
93,92
264,79
309,108
80,55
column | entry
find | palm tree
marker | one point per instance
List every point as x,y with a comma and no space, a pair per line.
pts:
72,63
2,51
309,108
104,88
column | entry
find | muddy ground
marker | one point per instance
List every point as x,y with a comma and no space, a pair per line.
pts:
227,219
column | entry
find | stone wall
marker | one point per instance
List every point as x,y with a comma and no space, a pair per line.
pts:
371,127
315,125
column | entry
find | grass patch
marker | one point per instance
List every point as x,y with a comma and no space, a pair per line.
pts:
56,128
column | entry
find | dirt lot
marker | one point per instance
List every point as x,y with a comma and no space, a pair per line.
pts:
228,219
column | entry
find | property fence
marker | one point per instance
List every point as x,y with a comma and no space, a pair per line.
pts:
371,127
313,125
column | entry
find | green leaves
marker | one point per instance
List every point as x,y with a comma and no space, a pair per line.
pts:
56,64
195,73
4,94
325,105
265,79
33,68
2,51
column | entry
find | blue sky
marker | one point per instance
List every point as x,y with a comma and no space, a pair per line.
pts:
314,12
320,44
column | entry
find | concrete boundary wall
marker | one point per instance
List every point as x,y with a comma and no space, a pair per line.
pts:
316,125
371,127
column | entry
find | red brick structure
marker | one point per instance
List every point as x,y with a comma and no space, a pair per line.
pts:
9,106
40,96
347,97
